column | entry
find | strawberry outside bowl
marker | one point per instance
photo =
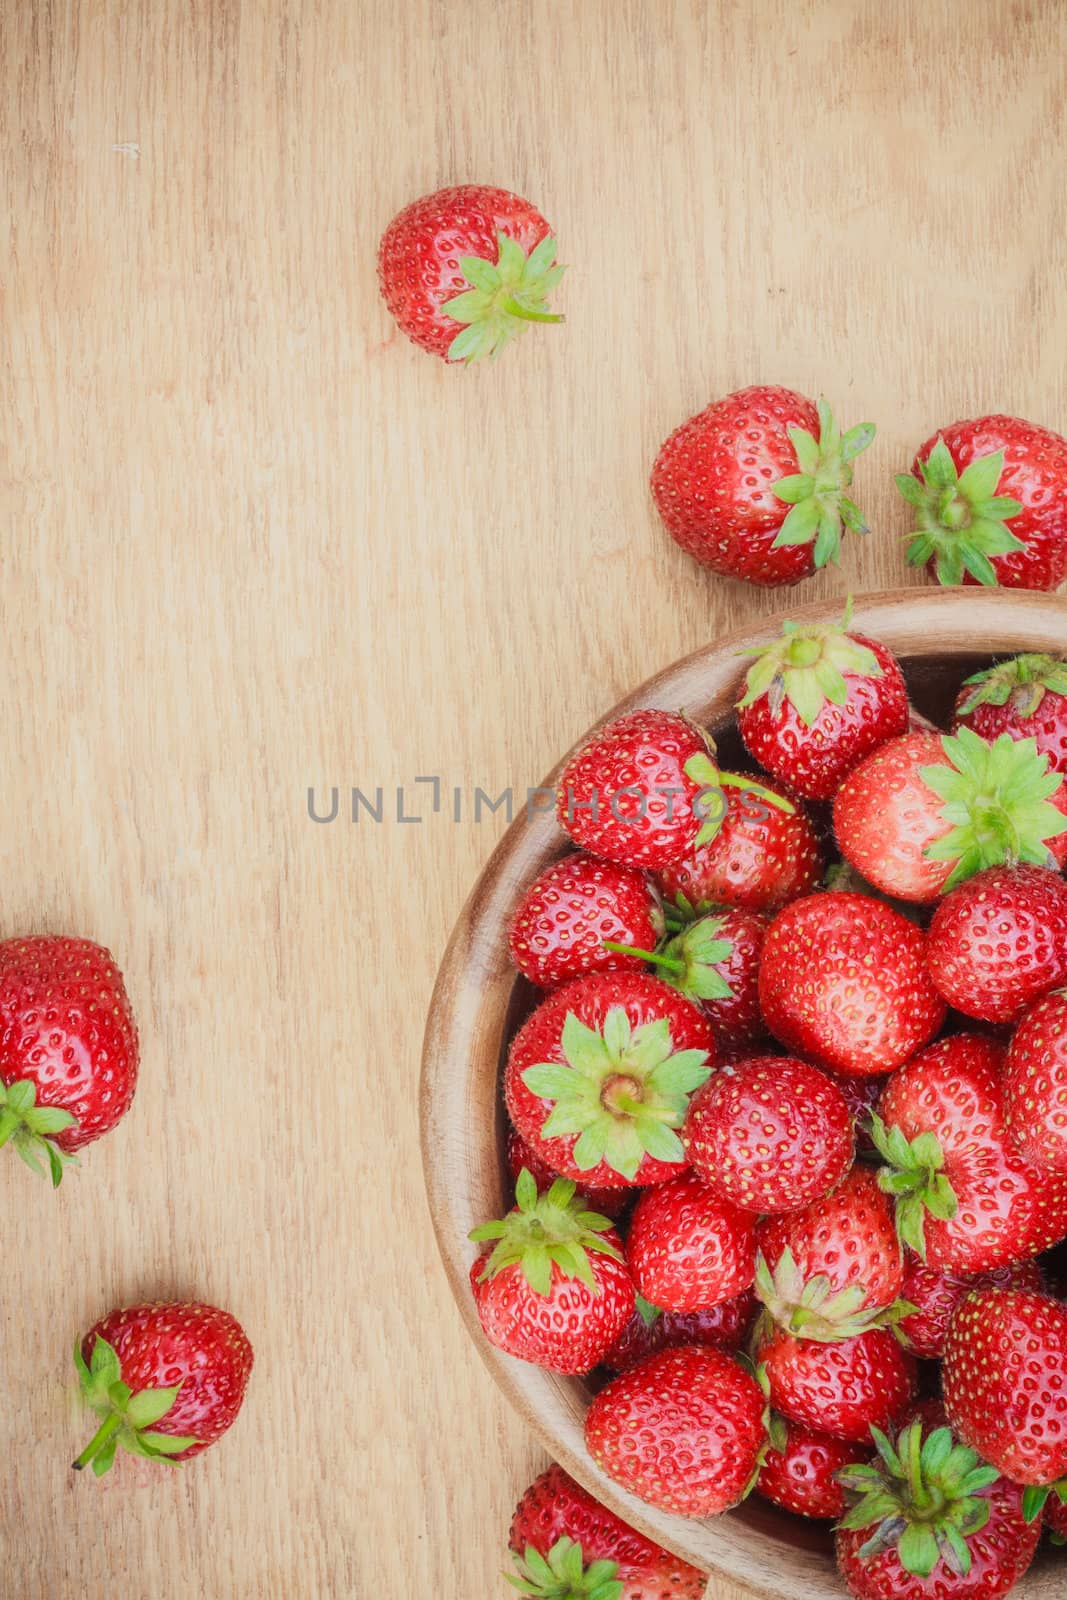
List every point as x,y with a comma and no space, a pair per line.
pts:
939,636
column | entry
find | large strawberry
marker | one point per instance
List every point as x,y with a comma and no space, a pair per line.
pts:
682,1431
762,857
465,270
935,1293
844,980
651,1329
688,1247
754,485
68,1048
1025,696
817,701
841,1387
990,503
801,1475
519,1155
554,1290
598,1078
569,913
165,1381
999,942
1035,1083
570,1547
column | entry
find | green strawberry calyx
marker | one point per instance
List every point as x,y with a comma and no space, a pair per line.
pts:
31,1127
1035,1495
806,1308
961,521
563,1575
1024,680
820,509
546,1230
127,1419
913,1176
689,960
623,1090
996,798
921,1497
805,667
505,297
710,804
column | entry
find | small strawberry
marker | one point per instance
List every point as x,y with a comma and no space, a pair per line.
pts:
68,1048
990,502
1026,697
844,979
771,1133
519,1155
166,1381
935,1292
801,1476
1035,1083
683,1431
1056,1519
761,858
999,942
651,1329
570,911
598,1078
817,701
467,269
555,1289
569,1547
754,485
842,1387
688,1248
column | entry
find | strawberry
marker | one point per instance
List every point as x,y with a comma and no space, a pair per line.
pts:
688,1248
683,1431
572,1548
467,269
1056,1519
1035,1083
844,979
166,1381
753,485
861,1097
598,1078
999,942
567,915
924,812
841,1387
965,1199
762,857
518,1154
802,1476
555,1289
935,1292
990,503
1025,697
770,1133
1002,1374
68,1048
651,1329
817,701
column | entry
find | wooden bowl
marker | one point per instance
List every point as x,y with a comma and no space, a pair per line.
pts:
939,636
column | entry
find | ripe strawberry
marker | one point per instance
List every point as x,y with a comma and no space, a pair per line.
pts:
817,701
761,858
518,1154
999,942
1035,1083
651,1329
990,501
924,812
572,1548
688,1248
1056,1519
570,911
801,1476
747,488
68,1048
935,1292
965,1199
770,1133
165,1380
842,1388
465,270
1026,697
598,1078
683,1431
844,979
555,1289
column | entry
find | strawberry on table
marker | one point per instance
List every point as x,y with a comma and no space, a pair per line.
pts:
998,942
936,1292
651,1329
762,857
1026,697
801,1476
570,912
689,1248
519,1155
842,1387
1035,1083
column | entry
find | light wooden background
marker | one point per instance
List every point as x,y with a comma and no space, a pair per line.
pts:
253,541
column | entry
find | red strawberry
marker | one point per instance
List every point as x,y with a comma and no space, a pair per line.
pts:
936,1292
68,1048
990,501
817,701
770,1133
842,1388
801,1477
569,1547
999,942
1035,1083
925,812
555,1289
753,486
599,1077
569,912
682,1431
651,1329
166,1381
965,1199
465,270
1056,1518
844,979
761,858
1025,697
688,1248
609,1202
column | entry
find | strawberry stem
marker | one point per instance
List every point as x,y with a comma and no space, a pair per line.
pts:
669,962
735,780
107,1429
514,309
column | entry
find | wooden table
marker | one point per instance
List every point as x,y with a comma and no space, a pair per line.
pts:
256,542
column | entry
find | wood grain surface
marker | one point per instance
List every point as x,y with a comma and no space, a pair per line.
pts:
254,541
